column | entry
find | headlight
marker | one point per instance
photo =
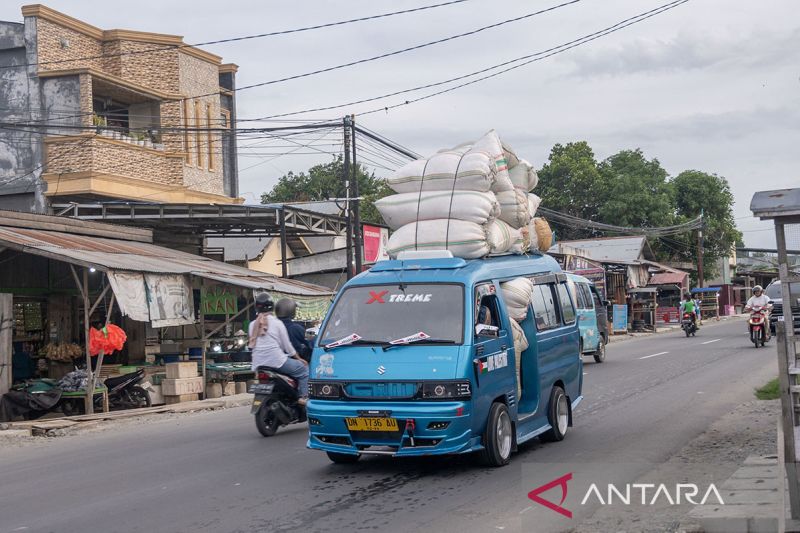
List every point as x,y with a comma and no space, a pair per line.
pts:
445,390
324,390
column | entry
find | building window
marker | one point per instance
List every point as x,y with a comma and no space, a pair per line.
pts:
186,126
210,138
198,124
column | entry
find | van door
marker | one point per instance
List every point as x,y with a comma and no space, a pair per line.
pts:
587,318
600,307
494,367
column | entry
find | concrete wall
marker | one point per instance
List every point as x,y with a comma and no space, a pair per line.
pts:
270,261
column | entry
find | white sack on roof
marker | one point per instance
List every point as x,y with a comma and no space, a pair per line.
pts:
463,239
512,159
533,203
130,294
471,206
523,176
514,208
477,166
171,301
517,295
503,238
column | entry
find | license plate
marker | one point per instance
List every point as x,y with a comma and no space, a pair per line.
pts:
371,424
261,388
145,385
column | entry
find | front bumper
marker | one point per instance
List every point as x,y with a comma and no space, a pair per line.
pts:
328,432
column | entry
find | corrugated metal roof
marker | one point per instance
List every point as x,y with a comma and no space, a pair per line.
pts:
113,254
622,249
667,278
240,248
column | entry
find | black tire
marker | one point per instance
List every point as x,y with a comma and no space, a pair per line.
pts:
343,458
687,331
557,416
600,353
266,423
693,334
498,437
140,397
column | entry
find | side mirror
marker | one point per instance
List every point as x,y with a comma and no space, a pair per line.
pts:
606,303
484,330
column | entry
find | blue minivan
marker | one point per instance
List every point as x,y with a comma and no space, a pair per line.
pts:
592,316
416,357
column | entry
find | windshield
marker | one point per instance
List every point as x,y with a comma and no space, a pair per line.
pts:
774,290
385,313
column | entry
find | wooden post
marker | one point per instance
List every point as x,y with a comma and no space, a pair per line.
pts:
6,334
89,400
203,330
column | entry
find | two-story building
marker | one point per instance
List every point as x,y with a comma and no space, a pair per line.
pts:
92,114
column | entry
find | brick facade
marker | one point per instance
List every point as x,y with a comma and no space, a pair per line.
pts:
129,66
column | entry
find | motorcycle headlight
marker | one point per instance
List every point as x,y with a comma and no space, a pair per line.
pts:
324,390
446,390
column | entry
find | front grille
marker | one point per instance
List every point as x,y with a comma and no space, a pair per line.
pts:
388,436
342,441
381,390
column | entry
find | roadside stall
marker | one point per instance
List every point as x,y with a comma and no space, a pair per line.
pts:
71,280
644,308
709,301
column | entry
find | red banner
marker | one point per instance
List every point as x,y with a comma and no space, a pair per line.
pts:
375,240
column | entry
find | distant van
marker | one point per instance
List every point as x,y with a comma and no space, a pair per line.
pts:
416,357
592,317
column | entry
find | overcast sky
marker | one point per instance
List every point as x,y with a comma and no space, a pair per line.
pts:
712,85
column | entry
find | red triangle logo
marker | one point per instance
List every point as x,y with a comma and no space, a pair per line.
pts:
559,482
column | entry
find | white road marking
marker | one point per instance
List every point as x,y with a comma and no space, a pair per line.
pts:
528,508
655,354
709,342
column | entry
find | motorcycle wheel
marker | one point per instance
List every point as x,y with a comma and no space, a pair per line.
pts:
266,423
139,397
687,331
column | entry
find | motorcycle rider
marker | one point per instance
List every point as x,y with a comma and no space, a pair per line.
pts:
271,346
285,310
688,306
759,299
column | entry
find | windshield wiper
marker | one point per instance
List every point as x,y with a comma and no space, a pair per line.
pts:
353,340
389,345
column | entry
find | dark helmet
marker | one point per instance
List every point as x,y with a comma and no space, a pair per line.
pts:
285,308
264,303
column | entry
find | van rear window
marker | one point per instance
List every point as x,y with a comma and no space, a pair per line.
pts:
385,313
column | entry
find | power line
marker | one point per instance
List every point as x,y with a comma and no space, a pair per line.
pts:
404,50
236,39
538,56
577,222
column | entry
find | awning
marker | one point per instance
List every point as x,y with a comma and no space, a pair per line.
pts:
109,255
667,278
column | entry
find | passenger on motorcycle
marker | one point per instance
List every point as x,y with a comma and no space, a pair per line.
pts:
759,299
285,310
688,306
271,346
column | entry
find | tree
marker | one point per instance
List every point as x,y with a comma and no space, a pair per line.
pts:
325,181
698,192
571,183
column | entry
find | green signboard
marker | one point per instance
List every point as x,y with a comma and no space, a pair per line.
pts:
218,301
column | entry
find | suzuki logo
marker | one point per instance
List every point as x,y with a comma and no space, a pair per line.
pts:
562,482
381,370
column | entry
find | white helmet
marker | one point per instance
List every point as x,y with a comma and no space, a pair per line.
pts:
758,288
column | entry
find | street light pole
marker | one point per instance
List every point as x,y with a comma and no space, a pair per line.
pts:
700,278
348,195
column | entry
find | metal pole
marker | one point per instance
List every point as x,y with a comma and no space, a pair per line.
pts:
203,335
700,278
347,195
357,237
284,269
89,400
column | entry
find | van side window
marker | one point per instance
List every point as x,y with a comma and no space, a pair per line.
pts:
587,297
487,311
598,301
567,308
544,307
580,296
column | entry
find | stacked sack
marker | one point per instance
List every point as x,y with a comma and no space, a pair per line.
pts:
517,294
472,199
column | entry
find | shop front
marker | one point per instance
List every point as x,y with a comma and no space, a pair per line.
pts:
64,281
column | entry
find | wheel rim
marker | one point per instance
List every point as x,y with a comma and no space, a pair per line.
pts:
562,414
504,435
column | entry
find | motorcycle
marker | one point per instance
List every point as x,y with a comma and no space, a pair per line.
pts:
688,324
124,392
275,401
757,325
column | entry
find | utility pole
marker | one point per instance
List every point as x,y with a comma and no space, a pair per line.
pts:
357,237
700,279
347,196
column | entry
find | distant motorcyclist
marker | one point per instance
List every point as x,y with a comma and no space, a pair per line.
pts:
759,299
688,306
285,310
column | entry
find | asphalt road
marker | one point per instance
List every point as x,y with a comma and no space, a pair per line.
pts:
212,472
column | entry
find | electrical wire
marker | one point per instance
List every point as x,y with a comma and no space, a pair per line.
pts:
537,56
236,39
